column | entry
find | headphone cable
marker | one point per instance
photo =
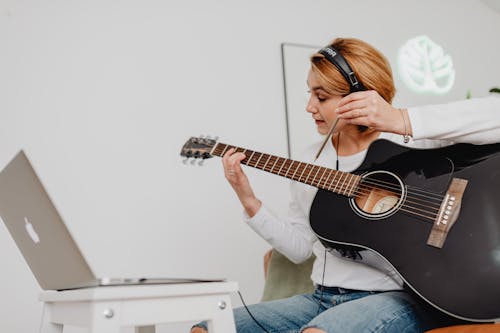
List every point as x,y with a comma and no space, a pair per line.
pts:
246,308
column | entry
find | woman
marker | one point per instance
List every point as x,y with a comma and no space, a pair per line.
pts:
353,293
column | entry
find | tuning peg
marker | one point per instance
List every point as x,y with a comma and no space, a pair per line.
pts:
200,163
216,138
193,161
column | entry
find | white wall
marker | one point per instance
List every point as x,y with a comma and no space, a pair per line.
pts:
102,95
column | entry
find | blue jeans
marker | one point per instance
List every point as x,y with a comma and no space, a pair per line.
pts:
341,311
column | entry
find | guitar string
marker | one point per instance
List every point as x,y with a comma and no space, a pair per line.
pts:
345,187
277,158
342,187
408,210
417,189
366,190
439,197
379,184
414,209
382,184
397,189
303,166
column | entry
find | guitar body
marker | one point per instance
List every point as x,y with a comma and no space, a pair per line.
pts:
433,214
463,277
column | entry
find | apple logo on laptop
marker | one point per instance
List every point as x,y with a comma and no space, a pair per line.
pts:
31,231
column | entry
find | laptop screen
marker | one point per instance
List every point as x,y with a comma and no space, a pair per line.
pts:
38,230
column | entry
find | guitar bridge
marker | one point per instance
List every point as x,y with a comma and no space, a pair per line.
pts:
448,213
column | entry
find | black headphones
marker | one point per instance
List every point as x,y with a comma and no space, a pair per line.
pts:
341,63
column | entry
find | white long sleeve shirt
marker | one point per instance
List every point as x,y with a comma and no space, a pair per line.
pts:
474,121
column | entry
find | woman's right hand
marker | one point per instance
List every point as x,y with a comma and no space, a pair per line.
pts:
239,181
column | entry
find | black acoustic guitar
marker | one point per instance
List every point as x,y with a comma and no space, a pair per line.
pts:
433,214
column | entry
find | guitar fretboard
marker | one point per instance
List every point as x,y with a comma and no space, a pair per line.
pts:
340,182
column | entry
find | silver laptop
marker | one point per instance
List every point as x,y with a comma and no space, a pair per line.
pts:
42,236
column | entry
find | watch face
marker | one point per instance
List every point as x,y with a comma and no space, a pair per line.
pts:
384,204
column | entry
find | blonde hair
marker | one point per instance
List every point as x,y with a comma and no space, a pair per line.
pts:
370,66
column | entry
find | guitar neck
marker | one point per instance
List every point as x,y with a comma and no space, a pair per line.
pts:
340,182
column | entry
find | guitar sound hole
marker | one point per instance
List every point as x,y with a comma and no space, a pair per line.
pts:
380,194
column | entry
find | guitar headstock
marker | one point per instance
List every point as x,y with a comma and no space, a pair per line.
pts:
198,148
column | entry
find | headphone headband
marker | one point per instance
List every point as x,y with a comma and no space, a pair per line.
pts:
334,56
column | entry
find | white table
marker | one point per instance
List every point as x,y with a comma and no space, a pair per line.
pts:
107,309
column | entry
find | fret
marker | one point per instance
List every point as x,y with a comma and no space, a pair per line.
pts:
244,151
257,163
348,184
267,161
328,179
303,170
214,148
338,182
297,169
274,161
224,151
352,179
274,164
285,161
323,175
332,182
318,183
343,185
316,175
250,159
309,174
354,184
289,168
287,165
239,150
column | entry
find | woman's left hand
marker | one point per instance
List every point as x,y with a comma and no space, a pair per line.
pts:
368,108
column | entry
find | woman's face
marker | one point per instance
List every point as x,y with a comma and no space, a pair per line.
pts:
321,105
